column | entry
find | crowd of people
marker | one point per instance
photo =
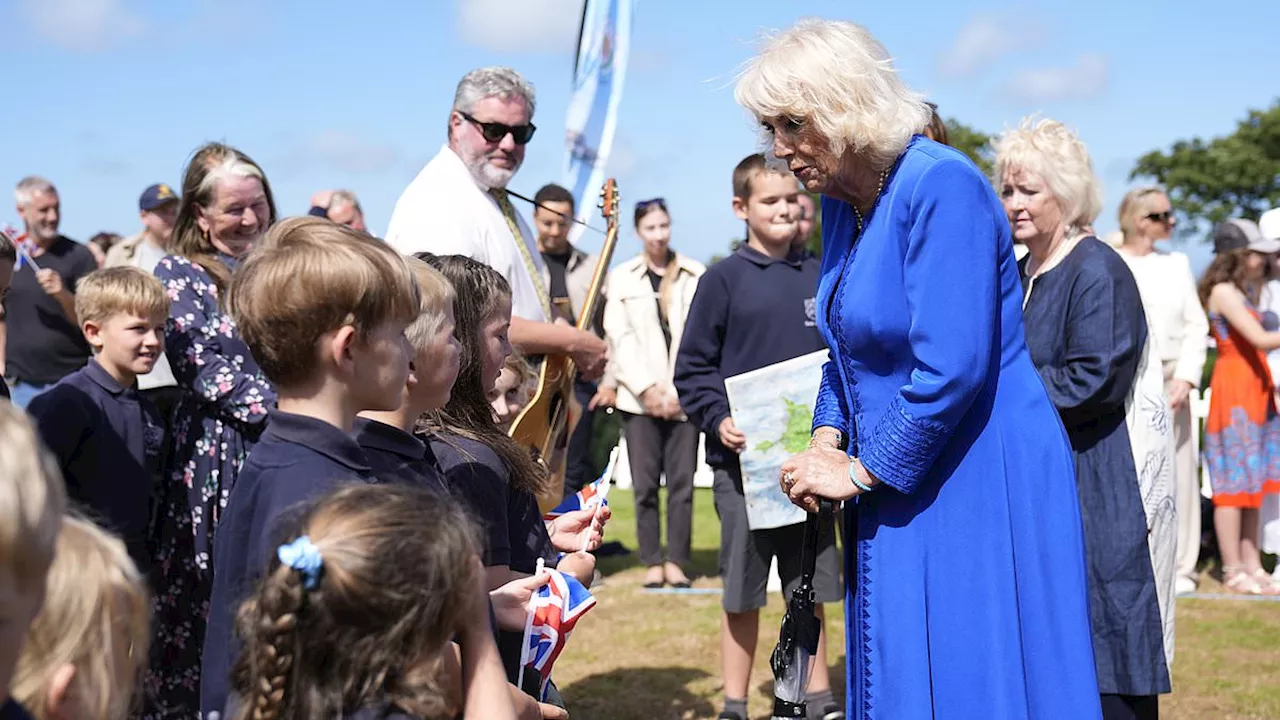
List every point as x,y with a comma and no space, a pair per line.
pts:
260,467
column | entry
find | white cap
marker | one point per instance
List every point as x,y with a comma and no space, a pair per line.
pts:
1269,224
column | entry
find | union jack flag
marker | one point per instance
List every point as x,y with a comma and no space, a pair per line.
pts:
23,245
593,495
556,607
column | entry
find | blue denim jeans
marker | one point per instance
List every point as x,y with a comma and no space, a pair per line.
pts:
21,394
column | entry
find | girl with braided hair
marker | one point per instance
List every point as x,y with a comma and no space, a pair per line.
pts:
355,616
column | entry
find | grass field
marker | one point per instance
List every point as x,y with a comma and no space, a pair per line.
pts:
647,656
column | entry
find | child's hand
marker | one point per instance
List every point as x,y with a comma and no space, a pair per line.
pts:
581,565
579,530
731,437
529,709
511,601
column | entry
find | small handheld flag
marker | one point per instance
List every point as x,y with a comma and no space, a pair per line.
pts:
554,610
593,495
22,243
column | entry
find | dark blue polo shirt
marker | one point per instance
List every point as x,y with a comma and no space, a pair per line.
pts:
11,710
750,311
399,457
297,460
109,441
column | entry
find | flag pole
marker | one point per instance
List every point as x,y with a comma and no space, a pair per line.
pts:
528,628
605,481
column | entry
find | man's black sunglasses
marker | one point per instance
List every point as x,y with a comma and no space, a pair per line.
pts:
494,132
1162,217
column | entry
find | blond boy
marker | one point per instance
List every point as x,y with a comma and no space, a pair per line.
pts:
323,309
109,439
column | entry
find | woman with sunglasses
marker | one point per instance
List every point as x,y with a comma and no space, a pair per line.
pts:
1242,432
649,299
1178,327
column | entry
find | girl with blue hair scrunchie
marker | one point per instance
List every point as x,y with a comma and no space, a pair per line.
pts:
357,615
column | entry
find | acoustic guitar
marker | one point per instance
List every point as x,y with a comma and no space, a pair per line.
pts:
547,421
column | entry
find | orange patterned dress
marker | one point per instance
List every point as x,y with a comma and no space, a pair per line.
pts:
1242,432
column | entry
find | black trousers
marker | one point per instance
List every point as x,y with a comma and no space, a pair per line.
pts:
655,447
1130,707
578,468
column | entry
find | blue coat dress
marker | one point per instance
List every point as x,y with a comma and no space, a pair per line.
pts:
967,595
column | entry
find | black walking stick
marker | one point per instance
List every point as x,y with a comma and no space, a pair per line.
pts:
798,638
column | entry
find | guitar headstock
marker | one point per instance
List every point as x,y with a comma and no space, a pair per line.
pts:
609,200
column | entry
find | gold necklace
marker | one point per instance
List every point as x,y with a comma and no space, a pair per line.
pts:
857,214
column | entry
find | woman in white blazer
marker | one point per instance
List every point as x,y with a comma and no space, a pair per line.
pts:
649,297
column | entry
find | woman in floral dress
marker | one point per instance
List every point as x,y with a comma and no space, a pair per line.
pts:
226,207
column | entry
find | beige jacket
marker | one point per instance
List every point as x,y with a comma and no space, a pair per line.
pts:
640,356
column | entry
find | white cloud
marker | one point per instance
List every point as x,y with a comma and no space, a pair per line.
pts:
521,26
986,39
1086,79
82,25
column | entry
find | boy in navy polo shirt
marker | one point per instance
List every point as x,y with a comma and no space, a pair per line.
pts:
751,310
323,309
109,439
395,453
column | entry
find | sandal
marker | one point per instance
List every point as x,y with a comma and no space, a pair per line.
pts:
1266,583
1238,581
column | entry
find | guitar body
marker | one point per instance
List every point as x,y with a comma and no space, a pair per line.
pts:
547,421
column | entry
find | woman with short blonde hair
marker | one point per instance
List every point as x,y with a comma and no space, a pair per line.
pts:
1088,338
931,422
1179,328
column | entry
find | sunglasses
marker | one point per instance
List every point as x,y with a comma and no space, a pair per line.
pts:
494,132
644,204
1162,217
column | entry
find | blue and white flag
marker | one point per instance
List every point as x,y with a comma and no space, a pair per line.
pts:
599,72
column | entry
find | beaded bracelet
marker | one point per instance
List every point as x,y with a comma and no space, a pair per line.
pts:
853,476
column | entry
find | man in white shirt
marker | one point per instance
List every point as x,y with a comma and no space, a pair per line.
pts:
458,205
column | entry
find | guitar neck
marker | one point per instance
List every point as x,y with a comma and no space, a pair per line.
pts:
597,280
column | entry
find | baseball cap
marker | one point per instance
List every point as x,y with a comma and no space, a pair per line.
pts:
155,196
1236,234
1269,224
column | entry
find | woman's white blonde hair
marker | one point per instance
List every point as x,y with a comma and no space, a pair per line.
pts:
96,618
1051,150
837,79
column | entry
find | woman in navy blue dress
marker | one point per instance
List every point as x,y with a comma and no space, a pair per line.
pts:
1086,330
967,594
225,209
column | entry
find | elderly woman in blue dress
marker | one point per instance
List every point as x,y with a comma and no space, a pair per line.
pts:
967,593
1087,333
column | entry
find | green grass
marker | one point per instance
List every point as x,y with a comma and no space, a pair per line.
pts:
643,656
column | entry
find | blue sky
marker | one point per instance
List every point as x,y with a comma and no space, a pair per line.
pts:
108,96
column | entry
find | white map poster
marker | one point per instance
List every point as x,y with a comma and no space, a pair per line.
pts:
773,407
